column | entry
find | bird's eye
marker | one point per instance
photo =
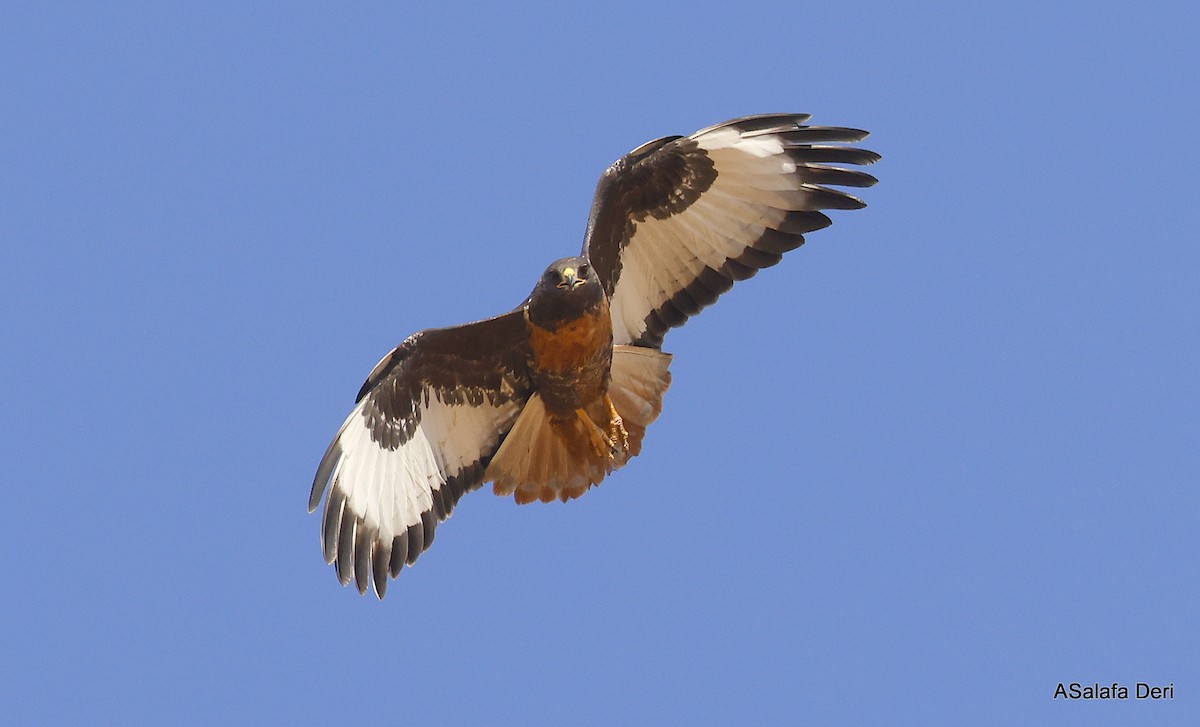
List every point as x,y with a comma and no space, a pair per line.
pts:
583,270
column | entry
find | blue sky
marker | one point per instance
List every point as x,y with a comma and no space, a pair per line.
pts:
941,459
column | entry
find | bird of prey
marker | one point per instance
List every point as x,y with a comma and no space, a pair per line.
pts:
546,400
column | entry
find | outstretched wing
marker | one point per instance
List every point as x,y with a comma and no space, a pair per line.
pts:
427,421
676,221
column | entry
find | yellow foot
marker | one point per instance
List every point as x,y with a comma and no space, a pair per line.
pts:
602,444
616,425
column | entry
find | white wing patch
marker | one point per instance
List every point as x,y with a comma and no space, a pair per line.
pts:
755,188
380,493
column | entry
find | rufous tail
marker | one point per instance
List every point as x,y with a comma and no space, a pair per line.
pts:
547,457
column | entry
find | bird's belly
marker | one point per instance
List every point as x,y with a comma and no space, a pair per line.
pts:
571,363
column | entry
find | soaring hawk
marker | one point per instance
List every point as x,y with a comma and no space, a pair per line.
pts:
546,400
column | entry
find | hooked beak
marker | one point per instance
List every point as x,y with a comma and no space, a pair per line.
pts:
570,279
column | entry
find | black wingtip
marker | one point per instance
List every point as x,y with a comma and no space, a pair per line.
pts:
331,525
380,559
416,542
399,554
362,562
325,473
821,174
823,198
823,153
816,134
764,123
344,564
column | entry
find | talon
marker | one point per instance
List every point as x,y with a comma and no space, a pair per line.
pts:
616,426
602,444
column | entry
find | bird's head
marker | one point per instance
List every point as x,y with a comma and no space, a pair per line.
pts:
569,287
569,273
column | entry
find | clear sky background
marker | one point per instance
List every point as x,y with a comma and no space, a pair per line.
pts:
941,459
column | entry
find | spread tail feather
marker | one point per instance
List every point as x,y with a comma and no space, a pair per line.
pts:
547,457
